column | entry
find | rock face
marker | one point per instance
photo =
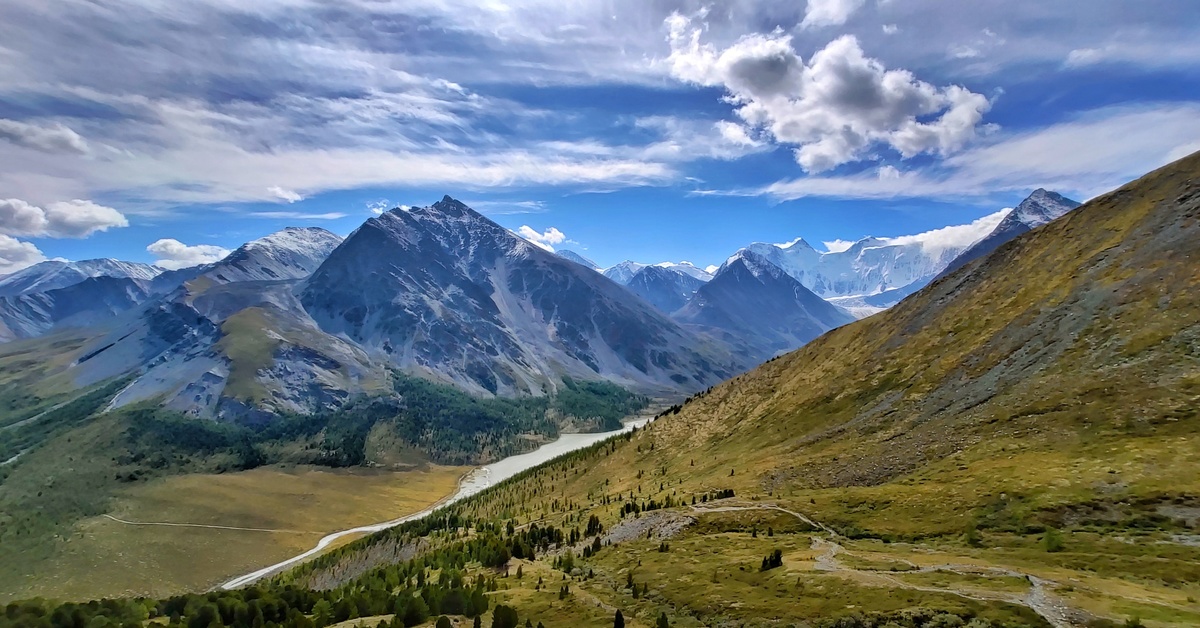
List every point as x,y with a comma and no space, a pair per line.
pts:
763,307
1040,208
230,339
667,289
445,290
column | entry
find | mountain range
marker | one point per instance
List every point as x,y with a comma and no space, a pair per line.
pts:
301,320
865,277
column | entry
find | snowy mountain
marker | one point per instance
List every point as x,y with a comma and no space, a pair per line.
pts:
688,269
53,274
664,287
577,258
444,290
230,339
761,307
869,266
622,273
1041,207
293,253
83,304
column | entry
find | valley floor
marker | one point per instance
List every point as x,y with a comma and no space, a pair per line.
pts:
235,522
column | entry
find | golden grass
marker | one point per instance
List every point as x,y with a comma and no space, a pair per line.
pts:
249,348
106,558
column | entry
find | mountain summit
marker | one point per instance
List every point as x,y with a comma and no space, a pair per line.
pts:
1041,207
445,290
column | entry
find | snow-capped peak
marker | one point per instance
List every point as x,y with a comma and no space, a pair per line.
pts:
1041,207
58,273
308,241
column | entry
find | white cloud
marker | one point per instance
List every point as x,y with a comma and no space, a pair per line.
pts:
501,208
173,254
890,29
1084,56
285,195
685,139
55,138
833,109
379,206
545,239
1084,157
299,215
935,241
65,219
956,236
837,246
15,255
829,12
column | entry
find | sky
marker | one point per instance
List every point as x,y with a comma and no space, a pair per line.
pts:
652,130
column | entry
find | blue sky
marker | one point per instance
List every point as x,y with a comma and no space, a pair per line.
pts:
624,129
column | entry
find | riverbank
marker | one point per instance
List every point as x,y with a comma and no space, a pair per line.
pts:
471,484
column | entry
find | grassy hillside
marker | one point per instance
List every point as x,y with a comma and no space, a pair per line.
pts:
78,464
1017,442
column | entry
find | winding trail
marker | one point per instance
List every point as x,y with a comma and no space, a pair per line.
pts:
201,525
1039,598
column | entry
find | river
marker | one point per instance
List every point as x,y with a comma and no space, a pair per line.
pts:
473,483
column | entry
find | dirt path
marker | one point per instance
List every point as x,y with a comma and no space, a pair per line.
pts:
201,525
1039,598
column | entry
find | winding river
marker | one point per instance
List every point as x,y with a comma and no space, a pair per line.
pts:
474,482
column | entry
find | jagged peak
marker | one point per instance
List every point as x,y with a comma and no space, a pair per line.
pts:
1040,207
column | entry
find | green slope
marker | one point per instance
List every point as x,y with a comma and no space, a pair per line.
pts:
1027,422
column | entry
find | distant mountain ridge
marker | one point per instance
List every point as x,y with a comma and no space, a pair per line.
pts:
762,307
53,274
577,258
665,288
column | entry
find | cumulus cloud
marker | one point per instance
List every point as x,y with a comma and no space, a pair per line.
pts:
173,254
379,206
835,108
829,12
65,219
1083,157
54,138
15,255
545,239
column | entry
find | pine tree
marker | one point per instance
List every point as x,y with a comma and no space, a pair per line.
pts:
619,620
